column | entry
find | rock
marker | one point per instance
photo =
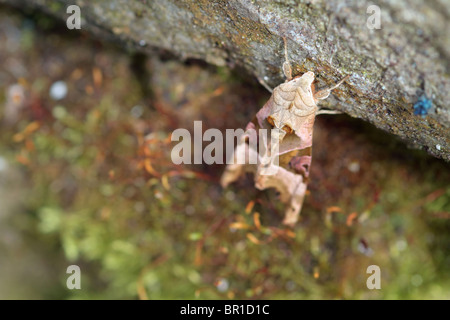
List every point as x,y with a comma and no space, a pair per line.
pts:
390,67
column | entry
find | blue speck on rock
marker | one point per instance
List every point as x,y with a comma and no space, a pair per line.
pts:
422,106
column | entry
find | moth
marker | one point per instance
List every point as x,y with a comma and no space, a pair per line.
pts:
291,111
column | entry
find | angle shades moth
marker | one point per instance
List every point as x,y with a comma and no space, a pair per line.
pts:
291,110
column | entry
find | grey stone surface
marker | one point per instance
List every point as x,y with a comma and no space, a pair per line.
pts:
390,67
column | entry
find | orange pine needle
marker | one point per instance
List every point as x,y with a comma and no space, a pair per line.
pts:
149,168
97,76
333,209
256,220
252,238
249,207
239,225
351,218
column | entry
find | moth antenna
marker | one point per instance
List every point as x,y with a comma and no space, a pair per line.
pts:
339,83
324,93
287,69
264,84
285,50
323,111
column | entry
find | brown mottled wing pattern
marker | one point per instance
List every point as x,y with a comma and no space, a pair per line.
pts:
291,109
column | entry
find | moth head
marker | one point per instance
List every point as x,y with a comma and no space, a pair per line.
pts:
305,80
304,85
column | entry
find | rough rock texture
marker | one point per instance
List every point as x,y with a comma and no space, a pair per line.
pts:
391,67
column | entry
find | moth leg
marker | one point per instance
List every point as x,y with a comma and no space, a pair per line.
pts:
287,68
324,93
322,111
264,84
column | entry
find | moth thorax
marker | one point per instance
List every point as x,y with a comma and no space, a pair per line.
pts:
304,104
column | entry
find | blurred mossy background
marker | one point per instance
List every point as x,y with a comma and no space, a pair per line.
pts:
87,179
